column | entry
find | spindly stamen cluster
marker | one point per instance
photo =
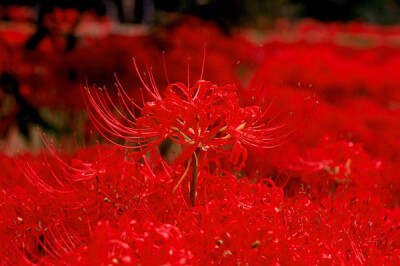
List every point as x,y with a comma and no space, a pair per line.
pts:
198,118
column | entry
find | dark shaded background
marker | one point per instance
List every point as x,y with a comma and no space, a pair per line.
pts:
233,12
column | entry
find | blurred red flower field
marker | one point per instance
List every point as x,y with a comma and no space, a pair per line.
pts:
207,149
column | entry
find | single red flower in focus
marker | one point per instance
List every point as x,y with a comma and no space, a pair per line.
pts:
199,118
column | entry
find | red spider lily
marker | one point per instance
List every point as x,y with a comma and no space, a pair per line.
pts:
198,118
56,209
316,200
125,214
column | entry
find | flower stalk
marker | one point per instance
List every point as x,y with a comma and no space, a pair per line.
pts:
195,175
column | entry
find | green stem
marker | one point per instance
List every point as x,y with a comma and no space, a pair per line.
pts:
195,174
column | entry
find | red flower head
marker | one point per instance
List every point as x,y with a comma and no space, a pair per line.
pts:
199,118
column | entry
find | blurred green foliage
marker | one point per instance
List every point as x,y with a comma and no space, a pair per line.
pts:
261,12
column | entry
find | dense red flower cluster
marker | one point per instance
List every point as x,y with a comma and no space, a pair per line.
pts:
54,73
70,209
187,179
17,13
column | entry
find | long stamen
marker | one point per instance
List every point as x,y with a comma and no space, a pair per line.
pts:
188,72
184,174
165,68
204,60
